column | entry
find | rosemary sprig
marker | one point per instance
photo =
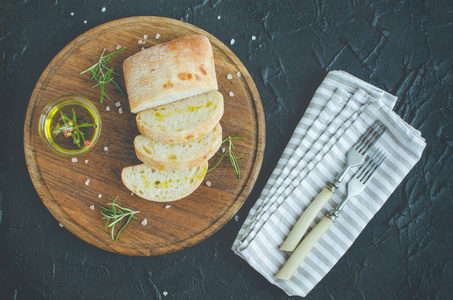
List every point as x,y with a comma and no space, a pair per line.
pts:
115,215
230,153
71,128
102,74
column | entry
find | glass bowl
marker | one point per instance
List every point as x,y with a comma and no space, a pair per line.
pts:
65,125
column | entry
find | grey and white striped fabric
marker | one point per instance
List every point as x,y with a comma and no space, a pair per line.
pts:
341,110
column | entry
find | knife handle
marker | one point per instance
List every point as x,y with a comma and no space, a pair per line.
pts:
298,256
301,226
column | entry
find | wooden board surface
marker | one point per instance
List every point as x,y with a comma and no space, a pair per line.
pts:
60,183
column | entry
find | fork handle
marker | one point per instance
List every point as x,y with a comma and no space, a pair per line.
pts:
301,226
298,256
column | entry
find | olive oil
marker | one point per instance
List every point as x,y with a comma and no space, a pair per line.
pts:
51,125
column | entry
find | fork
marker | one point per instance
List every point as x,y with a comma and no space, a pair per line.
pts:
356,155
355,187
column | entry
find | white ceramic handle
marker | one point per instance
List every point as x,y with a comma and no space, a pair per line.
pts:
298,256
305,220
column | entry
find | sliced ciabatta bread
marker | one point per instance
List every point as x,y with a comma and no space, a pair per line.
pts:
182,120
163,186
169,72
178,156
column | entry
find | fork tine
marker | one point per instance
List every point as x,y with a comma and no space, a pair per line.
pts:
368,139
366,171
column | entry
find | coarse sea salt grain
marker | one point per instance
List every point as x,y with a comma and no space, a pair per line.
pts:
236,218
229,76
120,110
72,14
85,21
208,183
106,148
238,74
253,37
165,293
103,9
87,182
157,36
145,36
223,150
74,160
100,196
92,207
86,161
61,225
132,194
144,222
118,104
232,41
167,206
231,94
219,17
107,108
140,42
118,47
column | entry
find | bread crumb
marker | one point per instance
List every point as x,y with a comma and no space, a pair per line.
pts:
229,76
232,41
118,47
74,159
231,94
253,37
61,225
92,207
86,161
107,108
120,110
238,74
144,222
219,17
103,9
157,36
87,182
100,196
168,206
106,148
208,183
236,218
145,37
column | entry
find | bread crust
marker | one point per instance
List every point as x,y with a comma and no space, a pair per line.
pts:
169,72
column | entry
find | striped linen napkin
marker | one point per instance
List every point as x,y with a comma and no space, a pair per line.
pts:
342,109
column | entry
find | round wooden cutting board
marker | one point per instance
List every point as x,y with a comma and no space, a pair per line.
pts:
62,184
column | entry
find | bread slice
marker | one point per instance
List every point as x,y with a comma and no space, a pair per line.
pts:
183,120
163,186
178,156
169,72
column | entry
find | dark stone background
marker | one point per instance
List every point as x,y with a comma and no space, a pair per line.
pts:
404,47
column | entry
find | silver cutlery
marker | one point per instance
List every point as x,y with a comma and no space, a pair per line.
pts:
356,155
355,186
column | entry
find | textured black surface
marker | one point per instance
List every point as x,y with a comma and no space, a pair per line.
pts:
404,47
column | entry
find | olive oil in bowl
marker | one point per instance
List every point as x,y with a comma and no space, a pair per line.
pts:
70,125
